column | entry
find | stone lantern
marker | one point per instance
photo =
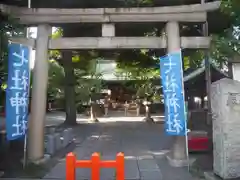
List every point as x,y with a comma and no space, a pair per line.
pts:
147,103
138,102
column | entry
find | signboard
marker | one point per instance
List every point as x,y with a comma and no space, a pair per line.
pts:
173,91
17,91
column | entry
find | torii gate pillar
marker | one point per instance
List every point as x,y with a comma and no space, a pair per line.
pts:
178,156
39,95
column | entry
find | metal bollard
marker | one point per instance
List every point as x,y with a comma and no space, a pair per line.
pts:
66,137
58,141
50,144
51,130
70,134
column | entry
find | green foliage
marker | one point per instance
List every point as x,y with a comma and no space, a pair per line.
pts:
232,8
136,73
55,79
86,79
8,28
143,69
226,46
84,72
193,60
146,88
55,54
137,65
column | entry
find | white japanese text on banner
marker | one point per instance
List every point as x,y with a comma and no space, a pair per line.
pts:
173,90
17,91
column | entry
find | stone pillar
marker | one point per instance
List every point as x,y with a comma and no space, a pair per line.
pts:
178,156
234,68
39,95
173,36
225,99
236,71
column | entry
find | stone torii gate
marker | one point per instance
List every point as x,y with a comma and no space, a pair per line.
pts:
45,18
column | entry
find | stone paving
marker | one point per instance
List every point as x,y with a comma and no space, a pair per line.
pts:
144,146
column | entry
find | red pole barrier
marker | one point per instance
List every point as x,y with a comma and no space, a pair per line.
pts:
95,166
120,166
70,167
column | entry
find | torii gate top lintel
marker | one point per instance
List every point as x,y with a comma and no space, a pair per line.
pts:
110,16
182,13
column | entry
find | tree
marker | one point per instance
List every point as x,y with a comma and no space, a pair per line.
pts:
86,79
55,80
76,71
225,45
56,72
8,28
231,8
222,48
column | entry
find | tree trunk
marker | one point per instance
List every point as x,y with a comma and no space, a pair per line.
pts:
70,105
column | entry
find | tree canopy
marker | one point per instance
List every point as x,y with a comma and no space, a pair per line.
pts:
8,28
224,45
136,64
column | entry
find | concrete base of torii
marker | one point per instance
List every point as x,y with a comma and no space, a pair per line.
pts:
178,155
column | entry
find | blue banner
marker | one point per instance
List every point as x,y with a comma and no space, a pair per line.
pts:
173,91
17,95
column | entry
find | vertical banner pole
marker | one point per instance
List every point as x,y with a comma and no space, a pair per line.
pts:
26,135
17,92
174,97
186,114
25,152
187,151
